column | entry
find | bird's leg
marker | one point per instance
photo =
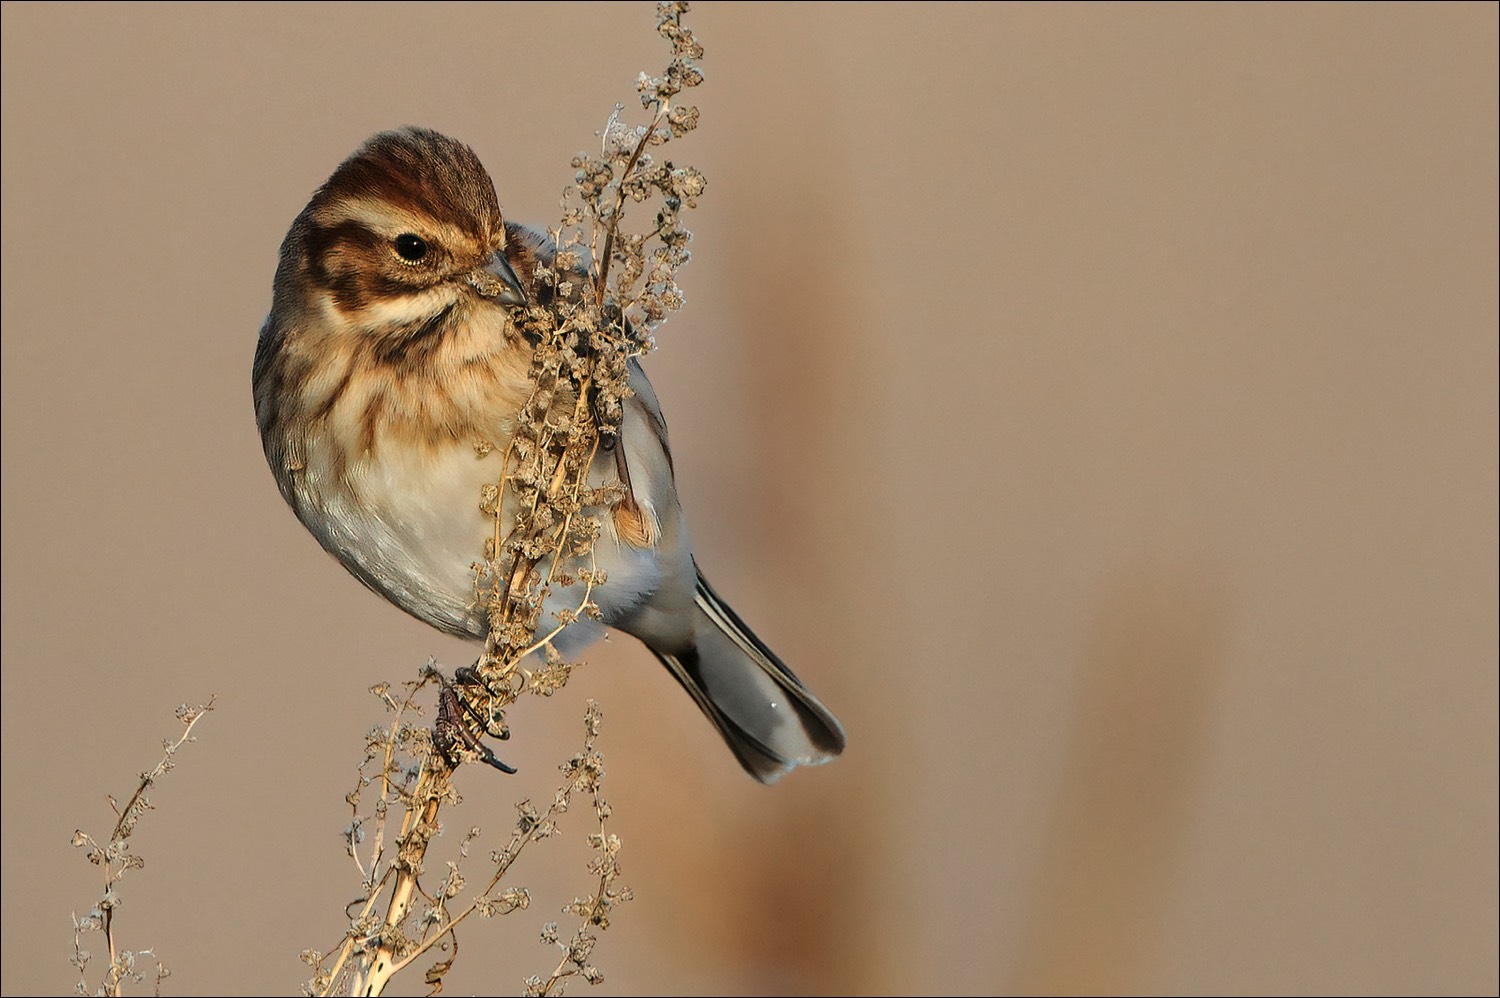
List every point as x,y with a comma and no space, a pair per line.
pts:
452,730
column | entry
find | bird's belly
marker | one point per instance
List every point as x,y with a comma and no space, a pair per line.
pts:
409,524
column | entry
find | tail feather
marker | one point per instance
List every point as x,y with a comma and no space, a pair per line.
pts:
770,720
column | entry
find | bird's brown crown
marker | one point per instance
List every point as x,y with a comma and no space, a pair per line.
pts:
420,171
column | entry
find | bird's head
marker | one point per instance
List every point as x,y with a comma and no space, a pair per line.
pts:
403,239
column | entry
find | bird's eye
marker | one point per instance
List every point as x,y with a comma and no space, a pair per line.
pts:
411,247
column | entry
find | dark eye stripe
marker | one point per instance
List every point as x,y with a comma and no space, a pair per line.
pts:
354,263
322,241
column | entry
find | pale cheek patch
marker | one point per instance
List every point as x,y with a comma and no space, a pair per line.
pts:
407,309
386,312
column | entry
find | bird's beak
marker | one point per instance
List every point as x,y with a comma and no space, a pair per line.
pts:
508,289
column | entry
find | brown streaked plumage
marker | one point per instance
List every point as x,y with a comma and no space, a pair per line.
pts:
387,380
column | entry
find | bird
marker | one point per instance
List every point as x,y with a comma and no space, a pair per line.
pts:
387,381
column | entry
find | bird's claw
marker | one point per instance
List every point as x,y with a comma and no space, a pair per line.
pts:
452,732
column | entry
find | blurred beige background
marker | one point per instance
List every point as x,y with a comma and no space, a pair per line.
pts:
1097,406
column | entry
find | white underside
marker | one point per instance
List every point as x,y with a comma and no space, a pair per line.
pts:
410,525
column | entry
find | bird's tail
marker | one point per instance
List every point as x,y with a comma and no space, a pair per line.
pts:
770,720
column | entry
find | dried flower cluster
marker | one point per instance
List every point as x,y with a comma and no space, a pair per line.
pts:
115,859
600,299
396,779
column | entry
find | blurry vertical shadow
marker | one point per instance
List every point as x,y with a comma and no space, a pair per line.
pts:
801,861
807,864
1149,681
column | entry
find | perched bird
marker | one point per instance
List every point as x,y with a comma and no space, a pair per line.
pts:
388,380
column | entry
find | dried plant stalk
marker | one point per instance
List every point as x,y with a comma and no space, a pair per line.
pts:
115,859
